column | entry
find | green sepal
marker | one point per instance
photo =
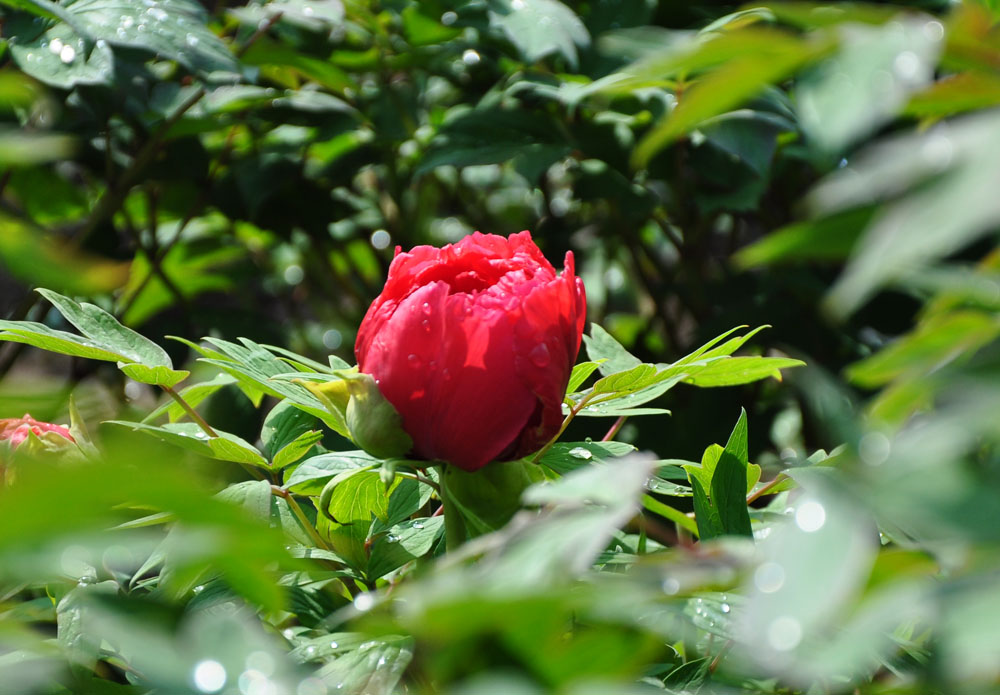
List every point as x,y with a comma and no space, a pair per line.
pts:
372,421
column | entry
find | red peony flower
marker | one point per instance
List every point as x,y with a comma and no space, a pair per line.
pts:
473,344
16,430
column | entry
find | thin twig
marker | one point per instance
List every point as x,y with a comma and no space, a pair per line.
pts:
614,428
766,488
284,494
568,419
420,479
192,413
718,657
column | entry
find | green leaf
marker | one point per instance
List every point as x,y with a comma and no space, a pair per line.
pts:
41,336
266,53
158,376
866,83
747,136
59,57
705,514
104,338
403,543
252,363
617,484
741,370
188,435
729,477
729,490
374,668
758,58
931,186
540,28
827,239
172,29
668,512
284,425
296,449
579,375
406,499
304,363
966,91
563,457
422,30
494,135
102,328
359,497
705,471
626,382
256,498
312,475
738,444
936,341
193,395
601,345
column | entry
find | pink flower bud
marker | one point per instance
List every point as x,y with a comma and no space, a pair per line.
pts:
16,430
473,345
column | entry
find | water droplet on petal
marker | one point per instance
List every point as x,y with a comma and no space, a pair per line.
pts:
391,539
417,525
191,40
426,324
67,54
333,645
725,607
426,307
539,355
581,453
414,361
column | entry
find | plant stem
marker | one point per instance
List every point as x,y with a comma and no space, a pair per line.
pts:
284,494
614,428
568,419
420,479
192,413
753,496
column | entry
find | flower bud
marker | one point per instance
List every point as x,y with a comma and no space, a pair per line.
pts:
35,436
473,345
